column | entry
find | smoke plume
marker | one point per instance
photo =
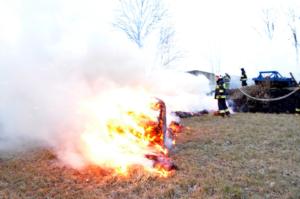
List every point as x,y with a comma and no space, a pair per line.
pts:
55,54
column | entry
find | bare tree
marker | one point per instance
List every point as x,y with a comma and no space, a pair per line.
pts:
269,19
166,46
215,58
138,18
294,23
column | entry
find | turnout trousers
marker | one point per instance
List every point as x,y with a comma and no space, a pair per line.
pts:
297,109
223,109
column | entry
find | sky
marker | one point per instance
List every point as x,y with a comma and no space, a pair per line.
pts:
230,34
216,36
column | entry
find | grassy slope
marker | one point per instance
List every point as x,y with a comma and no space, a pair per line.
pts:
245,156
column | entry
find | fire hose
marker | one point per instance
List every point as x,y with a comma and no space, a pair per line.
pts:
270,99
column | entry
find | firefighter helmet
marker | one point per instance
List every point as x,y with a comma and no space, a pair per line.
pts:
218,77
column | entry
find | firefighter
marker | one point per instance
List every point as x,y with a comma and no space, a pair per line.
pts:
297,109
227,79
243,77
221,95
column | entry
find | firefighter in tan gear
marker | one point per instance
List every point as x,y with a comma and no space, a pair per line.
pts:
221,95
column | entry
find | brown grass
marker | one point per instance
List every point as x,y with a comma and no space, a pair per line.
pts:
245,156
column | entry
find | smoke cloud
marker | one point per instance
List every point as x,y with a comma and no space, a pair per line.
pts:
55,54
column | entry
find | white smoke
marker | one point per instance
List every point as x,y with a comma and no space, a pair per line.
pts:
182,91
54,54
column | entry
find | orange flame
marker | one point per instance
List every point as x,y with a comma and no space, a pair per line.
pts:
122,129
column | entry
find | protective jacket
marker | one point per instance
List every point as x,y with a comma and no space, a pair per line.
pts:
244,78
221,95
220,91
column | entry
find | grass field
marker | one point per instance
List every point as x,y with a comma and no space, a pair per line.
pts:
245,156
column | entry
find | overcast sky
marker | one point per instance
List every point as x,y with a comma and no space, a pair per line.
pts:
232,33
226,33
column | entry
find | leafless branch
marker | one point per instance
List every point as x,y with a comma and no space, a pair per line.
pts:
168,51
269,19
293,23
138,18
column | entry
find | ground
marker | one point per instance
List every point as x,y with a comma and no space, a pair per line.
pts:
245,156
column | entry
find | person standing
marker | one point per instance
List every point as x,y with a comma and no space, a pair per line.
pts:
297,108
243,77
221,95
227,79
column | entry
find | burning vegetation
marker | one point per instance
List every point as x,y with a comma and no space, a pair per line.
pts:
127,132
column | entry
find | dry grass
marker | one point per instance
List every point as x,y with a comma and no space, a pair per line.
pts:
245,156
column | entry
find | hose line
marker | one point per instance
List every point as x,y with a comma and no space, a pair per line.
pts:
270,99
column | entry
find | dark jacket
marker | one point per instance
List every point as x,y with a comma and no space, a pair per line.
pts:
220,91
244,76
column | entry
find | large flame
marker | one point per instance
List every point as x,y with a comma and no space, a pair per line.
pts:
123,130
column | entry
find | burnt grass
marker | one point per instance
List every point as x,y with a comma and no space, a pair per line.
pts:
245,156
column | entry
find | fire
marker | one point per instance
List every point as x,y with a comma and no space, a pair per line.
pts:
125,128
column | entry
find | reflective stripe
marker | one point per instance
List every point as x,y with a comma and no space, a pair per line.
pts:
222,111
297,109
221,91
220,96
227,110
243,79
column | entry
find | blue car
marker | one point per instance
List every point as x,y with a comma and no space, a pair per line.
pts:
274,79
